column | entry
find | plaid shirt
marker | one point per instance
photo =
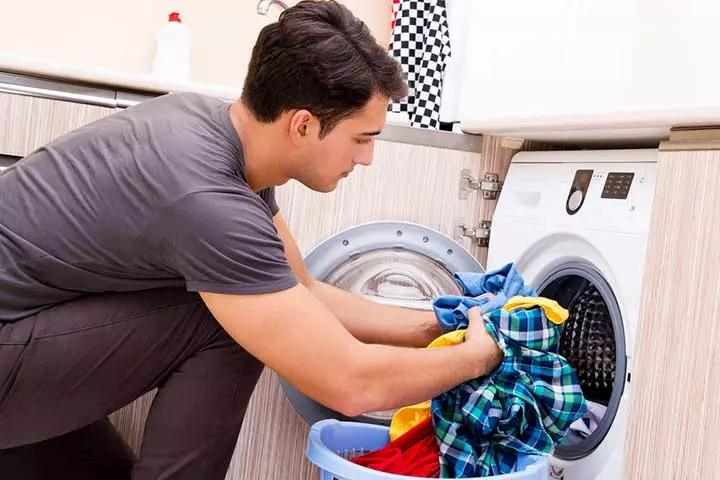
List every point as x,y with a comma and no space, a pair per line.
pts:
525,406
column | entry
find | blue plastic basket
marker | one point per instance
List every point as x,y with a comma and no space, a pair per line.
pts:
332,442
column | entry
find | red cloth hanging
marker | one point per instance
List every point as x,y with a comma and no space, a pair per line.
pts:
393,13
414,454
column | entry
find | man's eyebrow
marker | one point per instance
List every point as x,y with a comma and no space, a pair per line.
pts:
371,134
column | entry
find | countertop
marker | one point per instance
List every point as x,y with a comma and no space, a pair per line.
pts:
131,81
628,127
121,90
137,83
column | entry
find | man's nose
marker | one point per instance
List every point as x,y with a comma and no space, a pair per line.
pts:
365,158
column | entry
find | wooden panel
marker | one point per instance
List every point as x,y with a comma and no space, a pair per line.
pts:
406,182
675,409
272,441
27,123
130,421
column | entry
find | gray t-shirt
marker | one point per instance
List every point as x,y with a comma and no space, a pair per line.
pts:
154,196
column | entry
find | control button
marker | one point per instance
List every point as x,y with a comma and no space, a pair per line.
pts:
575,200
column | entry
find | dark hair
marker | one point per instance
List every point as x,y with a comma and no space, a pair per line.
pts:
318,56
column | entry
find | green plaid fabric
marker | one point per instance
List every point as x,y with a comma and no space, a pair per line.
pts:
525,406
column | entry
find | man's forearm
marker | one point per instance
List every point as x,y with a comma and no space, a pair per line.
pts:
415,375
371,322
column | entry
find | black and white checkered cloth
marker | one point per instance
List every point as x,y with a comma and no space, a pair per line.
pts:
421,43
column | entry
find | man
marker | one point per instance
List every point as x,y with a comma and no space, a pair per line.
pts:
146,250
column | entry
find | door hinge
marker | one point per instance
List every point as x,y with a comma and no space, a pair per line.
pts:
489,185
480,234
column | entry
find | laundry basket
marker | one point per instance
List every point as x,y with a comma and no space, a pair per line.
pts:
332,442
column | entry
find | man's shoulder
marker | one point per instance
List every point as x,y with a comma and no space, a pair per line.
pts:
179,103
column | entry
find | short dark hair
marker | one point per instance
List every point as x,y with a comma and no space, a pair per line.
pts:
318,56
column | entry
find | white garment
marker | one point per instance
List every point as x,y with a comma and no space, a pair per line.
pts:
589,422
459,22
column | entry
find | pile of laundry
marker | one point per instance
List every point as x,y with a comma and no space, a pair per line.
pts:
526,406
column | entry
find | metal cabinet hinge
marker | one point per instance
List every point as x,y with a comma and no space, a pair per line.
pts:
489,185
480,234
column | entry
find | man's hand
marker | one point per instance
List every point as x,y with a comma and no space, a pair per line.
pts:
478,339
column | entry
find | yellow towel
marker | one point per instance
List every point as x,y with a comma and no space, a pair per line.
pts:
553,311
407,417
455,337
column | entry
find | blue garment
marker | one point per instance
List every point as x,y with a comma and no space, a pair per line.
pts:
504,283
526,405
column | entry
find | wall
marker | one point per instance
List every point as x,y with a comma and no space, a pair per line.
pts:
120,36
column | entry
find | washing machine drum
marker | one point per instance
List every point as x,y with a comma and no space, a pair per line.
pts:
593,342
394,263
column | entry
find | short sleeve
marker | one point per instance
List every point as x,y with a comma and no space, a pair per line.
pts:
221,242
268,196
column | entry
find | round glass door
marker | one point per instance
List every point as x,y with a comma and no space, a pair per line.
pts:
393,263
394,277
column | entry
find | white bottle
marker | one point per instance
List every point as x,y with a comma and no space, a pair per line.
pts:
172,56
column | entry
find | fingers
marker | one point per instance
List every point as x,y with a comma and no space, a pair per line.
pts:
474,314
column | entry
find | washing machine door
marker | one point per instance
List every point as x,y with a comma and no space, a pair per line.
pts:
593,342
395,263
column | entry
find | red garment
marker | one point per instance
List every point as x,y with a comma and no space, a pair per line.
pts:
415,453
394,10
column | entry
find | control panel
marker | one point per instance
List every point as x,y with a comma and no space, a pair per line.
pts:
613,185
617,185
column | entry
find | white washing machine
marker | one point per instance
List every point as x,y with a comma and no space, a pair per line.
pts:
576,224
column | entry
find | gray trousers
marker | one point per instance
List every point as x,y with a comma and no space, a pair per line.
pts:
63,370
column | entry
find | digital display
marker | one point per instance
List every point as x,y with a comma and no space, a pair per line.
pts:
617,185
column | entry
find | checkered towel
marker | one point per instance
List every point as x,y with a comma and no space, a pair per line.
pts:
525,406
421,43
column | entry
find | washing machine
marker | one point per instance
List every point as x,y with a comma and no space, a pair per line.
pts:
576,224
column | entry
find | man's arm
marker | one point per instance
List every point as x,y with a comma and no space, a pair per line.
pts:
293,333
367,321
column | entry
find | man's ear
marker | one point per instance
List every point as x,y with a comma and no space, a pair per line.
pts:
302,126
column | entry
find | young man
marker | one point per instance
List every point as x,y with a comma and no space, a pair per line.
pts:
146,250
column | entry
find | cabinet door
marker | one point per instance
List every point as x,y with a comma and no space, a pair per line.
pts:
27,123
675,409
406,182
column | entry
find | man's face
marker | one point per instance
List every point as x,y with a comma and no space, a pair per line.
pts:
321,163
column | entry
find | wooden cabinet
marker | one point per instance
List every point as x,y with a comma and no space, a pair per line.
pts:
27,123
675,412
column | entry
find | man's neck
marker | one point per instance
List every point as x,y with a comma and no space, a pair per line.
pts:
264,160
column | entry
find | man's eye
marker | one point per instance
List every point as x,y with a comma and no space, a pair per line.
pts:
363,141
